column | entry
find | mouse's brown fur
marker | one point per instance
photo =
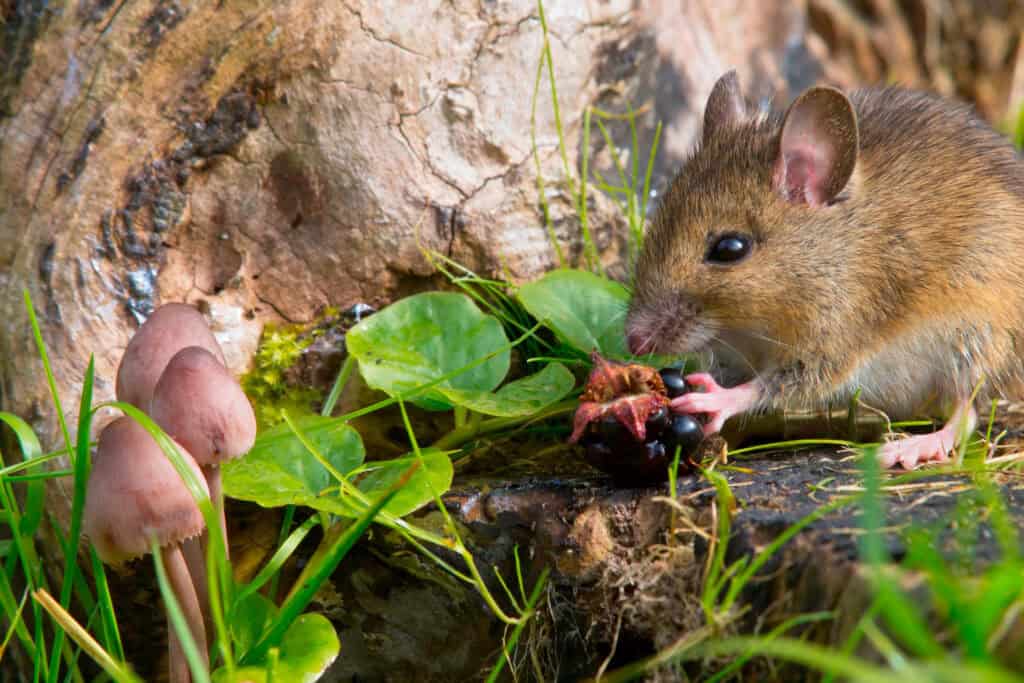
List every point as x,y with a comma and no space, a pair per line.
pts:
908,284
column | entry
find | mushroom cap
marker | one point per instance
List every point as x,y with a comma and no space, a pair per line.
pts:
135,492
199,404
168,330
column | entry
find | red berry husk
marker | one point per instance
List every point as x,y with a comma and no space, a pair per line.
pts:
634,395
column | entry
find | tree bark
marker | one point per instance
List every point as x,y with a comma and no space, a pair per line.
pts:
264,160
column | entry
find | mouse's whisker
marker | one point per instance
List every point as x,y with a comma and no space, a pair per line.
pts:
739,354
763,337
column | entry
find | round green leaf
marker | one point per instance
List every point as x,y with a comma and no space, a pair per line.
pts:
521,398
279,470
586,311
433,476
307,649
248,618
425,337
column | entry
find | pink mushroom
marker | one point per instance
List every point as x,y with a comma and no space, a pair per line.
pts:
199,404
168,330
135,494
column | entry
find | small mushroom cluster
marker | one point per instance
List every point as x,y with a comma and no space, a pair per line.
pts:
173,369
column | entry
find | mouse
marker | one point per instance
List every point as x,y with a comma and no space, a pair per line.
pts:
870,241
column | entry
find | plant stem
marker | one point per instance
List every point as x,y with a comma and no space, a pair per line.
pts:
213,480
183,588
339,385
461,435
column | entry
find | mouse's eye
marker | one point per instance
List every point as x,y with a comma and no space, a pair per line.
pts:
729,249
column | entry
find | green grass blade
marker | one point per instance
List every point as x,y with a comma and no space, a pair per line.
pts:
898,611
723,503
339,385
778,631
22,540
648,174
593,257
762,557
81,467
541,189
277,560
68,624
35,491
849,645
108,618
14,613
817,657
45,358
300,597
555,109
506,651
199,668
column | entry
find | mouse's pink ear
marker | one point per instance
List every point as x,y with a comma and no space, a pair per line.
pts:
725,107
817,147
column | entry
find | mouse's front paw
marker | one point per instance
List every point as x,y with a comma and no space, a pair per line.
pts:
715,401
911,451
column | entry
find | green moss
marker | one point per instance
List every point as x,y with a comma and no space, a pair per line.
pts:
267,385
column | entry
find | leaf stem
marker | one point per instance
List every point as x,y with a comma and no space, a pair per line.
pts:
339,385
473,429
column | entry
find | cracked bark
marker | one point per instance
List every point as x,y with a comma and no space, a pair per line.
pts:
320,207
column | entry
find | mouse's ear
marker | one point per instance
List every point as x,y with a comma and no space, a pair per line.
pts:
726,106
817,147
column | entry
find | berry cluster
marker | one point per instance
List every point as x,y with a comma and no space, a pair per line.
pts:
625,426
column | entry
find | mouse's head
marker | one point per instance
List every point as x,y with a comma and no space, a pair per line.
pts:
743,248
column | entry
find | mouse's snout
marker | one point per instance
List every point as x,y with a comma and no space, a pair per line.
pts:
639,342
665,326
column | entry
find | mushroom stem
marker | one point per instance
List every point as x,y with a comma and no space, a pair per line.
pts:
185,593
195,557
212,473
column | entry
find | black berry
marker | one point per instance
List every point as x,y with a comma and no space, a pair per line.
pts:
675,385
613,432
601,456
656,422
683,431
655,454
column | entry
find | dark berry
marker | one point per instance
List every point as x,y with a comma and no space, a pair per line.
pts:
613,431
655,454
656,422
683,431
601,456
675,385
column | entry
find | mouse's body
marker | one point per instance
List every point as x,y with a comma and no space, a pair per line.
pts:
873,242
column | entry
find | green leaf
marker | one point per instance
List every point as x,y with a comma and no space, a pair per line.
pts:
520,398
335,545
427,336
308,647
434,475
585,310
35,490
248,619
279,470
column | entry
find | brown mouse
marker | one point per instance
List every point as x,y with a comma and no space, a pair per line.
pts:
870,242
